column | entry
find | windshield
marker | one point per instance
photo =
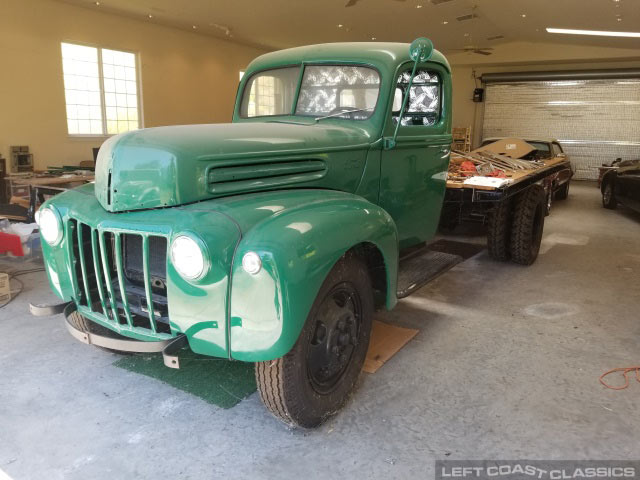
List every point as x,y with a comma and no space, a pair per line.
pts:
344,90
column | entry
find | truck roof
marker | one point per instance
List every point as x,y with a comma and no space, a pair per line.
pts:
378,54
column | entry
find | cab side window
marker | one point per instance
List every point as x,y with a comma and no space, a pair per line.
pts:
423,107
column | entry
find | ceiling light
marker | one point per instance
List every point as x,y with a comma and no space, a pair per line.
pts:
340,25
619,19
97,4
445,22
470,16
466,34
418,6
524,15
596,33
194,27
373,38
150,16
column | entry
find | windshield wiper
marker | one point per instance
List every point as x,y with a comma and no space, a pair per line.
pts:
342,112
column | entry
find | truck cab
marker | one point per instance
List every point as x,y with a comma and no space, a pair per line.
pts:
271,239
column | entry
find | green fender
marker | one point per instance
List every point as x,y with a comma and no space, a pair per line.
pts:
298,247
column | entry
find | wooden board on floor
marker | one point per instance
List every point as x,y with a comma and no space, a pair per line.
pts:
386,341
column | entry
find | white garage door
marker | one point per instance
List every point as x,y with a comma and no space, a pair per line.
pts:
596,121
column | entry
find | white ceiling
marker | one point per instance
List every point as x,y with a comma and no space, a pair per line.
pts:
275,24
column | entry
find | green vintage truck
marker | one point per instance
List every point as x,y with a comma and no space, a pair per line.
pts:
271,239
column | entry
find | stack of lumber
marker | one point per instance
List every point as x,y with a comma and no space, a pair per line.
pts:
487,164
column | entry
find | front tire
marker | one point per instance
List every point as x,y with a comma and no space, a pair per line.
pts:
608,196
528,224
314,380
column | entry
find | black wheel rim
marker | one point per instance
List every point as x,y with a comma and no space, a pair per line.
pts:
334,337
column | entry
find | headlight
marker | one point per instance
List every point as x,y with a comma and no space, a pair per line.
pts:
251,263
188,257
50,225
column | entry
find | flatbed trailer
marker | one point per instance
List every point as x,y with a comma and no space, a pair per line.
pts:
514,213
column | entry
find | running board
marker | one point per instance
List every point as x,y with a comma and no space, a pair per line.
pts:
421,268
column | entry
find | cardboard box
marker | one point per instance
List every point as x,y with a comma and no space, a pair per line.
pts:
510,147
5,289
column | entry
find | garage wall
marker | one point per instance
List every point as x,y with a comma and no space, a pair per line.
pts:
185,77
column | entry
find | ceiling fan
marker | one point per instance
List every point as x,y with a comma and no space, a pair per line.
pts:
351,3
474,49
471,48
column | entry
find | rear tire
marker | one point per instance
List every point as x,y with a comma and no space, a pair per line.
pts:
528,224
498,231
563,192
314,380
549,202
608,196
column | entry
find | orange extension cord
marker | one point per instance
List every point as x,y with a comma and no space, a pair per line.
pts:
625,371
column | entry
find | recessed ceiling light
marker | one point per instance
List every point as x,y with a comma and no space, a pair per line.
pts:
97,4
194,27
597,33
524,15
340,25
619,19
418,6
373,38
150,16
445,22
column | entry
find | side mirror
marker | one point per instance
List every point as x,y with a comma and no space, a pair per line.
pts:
420,50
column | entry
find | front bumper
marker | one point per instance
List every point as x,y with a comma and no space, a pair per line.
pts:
91,268
113,341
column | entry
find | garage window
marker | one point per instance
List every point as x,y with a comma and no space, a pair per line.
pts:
101,90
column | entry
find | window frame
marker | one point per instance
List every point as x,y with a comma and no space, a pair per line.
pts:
103,107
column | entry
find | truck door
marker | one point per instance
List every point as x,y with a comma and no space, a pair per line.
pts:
413,172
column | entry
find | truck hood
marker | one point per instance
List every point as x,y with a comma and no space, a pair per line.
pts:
169,166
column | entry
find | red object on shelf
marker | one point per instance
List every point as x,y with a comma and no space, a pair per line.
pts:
11,244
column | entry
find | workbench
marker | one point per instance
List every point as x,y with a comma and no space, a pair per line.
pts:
39,186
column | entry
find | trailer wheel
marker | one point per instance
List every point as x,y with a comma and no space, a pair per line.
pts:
563,192
528,224
498,231
314,380
549,202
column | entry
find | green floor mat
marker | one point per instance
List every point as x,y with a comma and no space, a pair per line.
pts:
221,382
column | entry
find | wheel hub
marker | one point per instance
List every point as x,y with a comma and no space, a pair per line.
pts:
335,338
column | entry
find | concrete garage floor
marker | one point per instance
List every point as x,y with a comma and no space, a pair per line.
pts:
506,365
